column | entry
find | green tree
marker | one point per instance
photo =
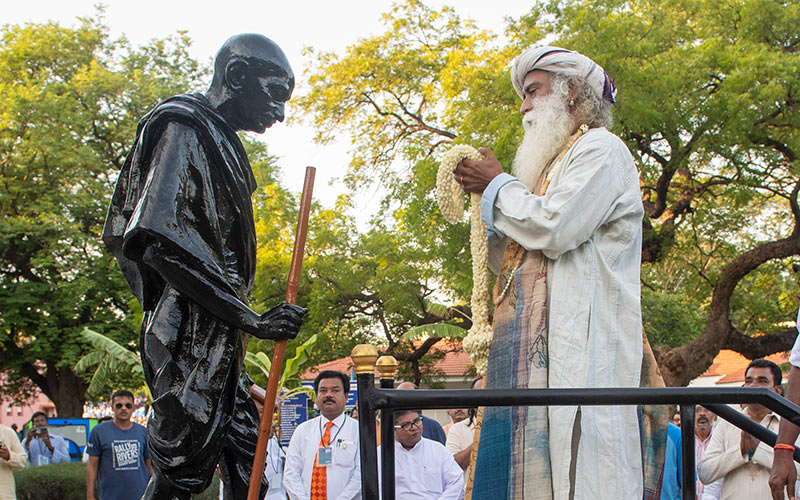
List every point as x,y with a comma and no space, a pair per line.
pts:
69,102
403,96
358,287
707,104
709,107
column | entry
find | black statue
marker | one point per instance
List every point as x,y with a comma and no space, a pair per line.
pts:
181,226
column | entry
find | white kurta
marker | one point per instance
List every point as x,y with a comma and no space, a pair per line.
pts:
426,472
460,438
16,461
273,470
589,226
743,477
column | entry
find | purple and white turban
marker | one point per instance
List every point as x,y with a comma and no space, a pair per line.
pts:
565,62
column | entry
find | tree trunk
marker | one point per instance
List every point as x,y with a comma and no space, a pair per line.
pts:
682,364
67,390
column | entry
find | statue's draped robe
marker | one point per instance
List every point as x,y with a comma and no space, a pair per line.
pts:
588,225
183,196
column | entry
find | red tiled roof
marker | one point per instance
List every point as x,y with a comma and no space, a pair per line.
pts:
453,364
731,366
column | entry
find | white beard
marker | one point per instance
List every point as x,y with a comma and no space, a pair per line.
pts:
548,127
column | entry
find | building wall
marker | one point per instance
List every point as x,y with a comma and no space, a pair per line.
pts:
12,413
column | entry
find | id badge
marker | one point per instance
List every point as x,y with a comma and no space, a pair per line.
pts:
43,460
325,456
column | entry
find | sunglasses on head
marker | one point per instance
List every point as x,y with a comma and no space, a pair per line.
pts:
126,405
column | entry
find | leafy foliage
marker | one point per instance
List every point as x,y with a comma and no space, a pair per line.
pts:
113,366
259,364
708,105
69,102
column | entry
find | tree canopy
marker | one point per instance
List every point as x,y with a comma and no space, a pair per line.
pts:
70,99
708,105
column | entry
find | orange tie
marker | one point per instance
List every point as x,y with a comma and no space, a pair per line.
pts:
319,478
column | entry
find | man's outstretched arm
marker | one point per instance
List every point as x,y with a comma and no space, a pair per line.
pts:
91,476
279,323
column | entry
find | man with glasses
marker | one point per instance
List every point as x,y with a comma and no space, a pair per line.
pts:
322,462
423,468
431,429
119,461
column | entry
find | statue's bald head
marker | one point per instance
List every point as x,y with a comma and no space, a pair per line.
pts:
251,72
252,49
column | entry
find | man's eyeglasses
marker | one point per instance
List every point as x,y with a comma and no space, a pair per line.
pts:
126,405
417,422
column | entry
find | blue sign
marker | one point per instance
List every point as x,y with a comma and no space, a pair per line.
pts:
294,411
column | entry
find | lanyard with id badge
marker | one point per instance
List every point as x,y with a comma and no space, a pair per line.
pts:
325,453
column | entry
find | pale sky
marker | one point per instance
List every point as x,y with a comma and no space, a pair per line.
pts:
324,25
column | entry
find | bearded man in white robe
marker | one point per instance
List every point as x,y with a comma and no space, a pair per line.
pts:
565,239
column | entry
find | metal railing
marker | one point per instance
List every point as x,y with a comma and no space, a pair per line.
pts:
372,399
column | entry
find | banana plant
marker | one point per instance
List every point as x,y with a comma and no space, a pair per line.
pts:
259,361
109,360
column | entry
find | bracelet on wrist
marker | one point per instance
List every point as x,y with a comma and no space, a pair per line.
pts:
784,446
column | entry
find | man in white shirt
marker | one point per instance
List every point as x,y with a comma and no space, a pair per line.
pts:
12,457
423,468
462,434
322,462
742,460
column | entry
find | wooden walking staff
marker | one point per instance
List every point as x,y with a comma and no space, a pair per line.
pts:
280,346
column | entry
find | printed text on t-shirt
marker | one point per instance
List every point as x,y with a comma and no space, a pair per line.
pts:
126,454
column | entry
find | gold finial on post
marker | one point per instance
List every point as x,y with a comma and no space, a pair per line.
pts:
387,365
364,357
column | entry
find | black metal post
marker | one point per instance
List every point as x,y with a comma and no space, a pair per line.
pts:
688,486
387,445
367,440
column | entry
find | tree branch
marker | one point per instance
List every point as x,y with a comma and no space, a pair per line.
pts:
762,345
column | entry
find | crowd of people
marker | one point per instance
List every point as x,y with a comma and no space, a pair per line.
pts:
102,409
730,463
323,452
117,456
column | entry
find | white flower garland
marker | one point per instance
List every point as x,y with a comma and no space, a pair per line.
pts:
451,202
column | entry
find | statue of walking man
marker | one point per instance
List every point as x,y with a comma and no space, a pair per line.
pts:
181,226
